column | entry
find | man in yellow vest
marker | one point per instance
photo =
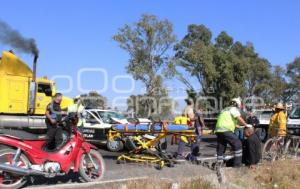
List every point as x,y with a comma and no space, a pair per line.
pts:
278,121
227,121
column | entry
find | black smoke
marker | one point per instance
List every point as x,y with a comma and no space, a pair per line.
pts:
14,39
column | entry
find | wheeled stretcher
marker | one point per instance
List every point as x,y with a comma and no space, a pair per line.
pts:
144,141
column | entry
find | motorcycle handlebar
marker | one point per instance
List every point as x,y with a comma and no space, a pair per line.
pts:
70,118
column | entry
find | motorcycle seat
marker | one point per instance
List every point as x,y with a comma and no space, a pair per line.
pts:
20,134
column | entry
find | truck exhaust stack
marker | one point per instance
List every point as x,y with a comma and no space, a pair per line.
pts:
34,67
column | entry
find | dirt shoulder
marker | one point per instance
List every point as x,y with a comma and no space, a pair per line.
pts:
187,175
280,174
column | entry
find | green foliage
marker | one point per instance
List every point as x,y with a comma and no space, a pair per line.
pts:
293,74
94,100
279,84
147,43
223,68
160,102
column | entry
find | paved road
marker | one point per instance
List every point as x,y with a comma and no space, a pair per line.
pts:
128,170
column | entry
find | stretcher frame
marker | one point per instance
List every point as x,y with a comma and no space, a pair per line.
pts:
144,153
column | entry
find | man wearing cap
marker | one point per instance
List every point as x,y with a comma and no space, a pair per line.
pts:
229,119
251,148
189,112
278,121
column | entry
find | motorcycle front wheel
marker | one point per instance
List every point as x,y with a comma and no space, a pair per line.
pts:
10,180
92,166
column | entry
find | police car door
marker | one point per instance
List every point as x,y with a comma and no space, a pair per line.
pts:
94,129
91,126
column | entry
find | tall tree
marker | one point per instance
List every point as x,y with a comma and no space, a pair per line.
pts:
293,75
194,53
94,100
223,68
257,70
161,101
147,43
280,87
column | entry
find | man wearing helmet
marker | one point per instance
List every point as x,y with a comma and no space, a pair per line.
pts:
229,119
278,121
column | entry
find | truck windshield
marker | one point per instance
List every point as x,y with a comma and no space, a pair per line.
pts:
45,88
295,113
107,115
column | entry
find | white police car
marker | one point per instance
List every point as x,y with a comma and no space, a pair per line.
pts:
98,122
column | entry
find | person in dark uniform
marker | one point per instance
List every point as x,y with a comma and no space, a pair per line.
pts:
253,120
199,125
53,116
251,148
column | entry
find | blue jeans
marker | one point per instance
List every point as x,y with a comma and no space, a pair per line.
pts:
239,132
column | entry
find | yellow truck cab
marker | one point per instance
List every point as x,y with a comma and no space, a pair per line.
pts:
20,93
45,90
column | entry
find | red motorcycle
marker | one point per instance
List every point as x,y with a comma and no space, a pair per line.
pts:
23,154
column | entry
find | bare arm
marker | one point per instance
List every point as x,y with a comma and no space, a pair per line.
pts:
48,116
242,121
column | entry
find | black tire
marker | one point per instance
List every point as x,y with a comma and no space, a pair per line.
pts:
20,180
114,145
85,172
160,165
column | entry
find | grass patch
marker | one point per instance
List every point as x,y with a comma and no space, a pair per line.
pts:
284,174
197,184
152,183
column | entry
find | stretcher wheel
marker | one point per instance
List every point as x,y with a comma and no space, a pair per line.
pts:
114,145
121,160
170,164
160,165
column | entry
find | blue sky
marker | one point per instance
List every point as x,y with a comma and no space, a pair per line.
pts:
78,34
